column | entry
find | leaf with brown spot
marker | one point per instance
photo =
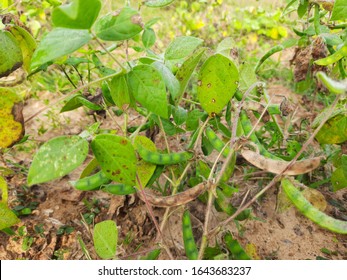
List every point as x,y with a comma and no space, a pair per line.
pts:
11,118
113,152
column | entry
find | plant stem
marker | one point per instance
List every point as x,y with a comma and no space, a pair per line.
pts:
73,92
110,54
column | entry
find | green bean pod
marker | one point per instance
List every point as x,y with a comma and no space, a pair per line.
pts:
236,250
336,56
273,50
247,128
153,255
119,189
163,159
188,238
309,211
332,85
217,143
90,183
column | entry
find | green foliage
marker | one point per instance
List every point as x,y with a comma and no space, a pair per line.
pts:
11,57
217,83
105,239
339,10
56,158
116,157
77,14
121,25
7,217
148,88
181,47
57,43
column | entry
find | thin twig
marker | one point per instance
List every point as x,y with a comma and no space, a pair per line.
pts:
71,93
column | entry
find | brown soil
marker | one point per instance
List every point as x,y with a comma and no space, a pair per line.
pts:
272,234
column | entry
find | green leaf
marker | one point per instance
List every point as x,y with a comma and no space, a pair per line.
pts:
148,88
77,14
26,43
72,103
302,9
179,114
105,239
7,217
169,79
158,3
145,169
116,157
185,72
339,10
10,54
124,24
338,179
57,43
148,38
119,91
181,47
193,119
57,158
217,83
334,131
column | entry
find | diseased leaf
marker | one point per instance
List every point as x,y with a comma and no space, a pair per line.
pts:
121,25
181,47
57,158
57,43
185,72
334,131
7,217
217,83
105,239
3,190
145,169
116,157
148,88
11,118
77,14
338,179
10,54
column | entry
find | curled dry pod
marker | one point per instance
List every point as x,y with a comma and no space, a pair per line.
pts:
277,166
172,200
309,211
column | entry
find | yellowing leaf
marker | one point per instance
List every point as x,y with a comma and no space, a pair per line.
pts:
11,118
